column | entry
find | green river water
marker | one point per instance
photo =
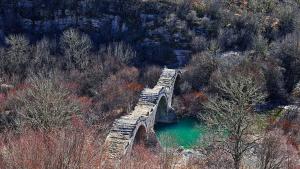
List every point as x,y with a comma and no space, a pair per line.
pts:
186,133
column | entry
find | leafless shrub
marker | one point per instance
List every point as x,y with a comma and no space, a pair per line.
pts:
120,91
151,76
142,157
199,69
76,148
45,103
169,157
275,153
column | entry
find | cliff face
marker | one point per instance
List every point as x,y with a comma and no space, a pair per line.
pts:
160,31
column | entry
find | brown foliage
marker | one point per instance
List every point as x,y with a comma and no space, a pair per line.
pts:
134,86
151,76
276,151
119,92
77,148
189,103
142,158
45,103
200,69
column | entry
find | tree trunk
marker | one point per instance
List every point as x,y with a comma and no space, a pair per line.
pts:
237,163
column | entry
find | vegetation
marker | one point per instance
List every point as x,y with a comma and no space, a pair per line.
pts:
68,69
232,111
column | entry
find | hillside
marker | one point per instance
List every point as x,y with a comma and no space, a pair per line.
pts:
69,70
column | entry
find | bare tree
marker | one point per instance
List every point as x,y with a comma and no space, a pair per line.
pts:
232,111
120,51
272,153
77,47
18,53
41,55
46,103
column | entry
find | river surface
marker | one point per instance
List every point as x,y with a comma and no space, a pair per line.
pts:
186,133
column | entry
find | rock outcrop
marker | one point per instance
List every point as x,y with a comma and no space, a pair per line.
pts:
158,30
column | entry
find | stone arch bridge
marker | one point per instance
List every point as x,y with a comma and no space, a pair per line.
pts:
154,105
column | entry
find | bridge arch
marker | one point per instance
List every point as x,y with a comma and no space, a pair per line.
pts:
140,135
162,109
154,106
177,87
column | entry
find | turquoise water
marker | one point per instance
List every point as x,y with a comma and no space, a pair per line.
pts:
186,133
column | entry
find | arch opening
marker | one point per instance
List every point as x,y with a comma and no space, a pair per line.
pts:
161,115
140,136
177,88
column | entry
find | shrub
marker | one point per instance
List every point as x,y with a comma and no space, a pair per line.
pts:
286,16
184,6
260,45
45,103
141,157
119,92
240,31
151,76
213,9
77,148
199,69
287,52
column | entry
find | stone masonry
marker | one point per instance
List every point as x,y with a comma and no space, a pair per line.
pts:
152,102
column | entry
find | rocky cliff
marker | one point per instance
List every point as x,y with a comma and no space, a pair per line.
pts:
162,31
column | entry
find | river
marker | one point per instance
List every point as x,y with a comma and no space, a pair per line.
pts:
185,133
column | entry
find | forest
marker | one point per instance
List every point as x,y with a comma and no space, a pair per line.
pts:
69,69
